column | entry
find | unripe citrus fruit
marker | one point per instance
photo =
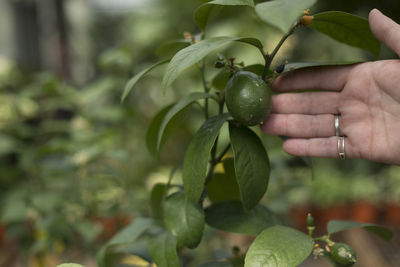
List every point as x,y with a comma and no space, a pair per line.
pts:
248,98
343,254
310,220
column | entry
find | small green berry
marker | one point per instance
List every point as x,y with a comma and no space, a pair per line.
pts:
310,220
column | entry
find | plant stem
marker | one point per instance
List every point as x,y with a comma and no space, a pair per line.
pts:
219,158
310,230
206,89
270,57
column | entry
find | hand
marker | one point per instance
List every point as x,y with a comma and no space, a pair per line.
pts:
366,95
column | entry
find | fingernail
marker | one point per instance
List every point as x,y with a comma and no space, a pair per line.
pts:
376,10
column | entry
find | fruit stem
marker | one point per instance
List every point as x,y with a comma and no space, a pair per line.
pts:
324,238
269,57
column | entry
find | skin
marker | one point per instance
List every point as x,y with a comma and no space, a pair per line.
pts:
366,95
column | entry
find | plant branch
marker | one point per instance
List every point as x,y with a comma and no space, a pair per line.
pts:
269,58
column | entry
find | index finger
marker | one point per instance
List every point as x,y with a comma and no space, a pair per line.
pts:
331,78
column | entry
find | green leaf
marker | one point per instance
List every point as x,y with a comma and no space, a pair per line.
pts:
283,14
231,217
195,163
279,246
132,82
184,219
194,53
202,13
223,187
156,199
124,237
173,115
300,65
70,265
251,165
162,250
255,68
221,79
154,127
335,226
347,28
170,48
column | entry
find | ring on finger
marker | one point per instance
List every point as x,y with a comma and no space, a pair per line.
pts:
337,126
340,148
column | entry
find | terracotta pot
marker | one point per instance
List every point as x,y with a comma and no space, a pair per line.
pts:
298,216
364,211
334,212
392,214
2,233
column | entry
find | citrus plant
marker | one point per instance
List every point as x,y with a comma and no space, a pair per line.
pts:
223,183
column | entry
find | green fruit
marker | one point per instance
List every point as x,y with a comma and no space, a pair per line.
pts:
343,254
248,98
310,220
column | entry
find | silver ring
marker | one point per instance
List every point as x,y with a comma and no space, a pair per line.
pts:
337,129
340,147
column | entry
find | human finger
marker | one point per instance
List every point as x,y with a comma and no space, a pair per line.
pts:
306,103
331,78
385,30
319,147
298,125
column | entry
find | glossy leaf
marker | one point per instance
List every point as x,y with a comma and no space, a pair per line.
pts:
282,14
279,246
162,249
174,113
195,163
184,219
231,217
202,13
133,81
124,237
194,53
346,28
255,68
221,79
154,127
170,48
251,165
223,187
335,226
300,65
157,196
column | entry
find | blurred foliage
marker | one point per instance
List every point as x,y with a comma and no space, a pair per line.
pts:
70,158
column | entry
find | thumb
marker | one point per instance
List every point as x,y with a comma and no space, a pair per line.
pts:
385,30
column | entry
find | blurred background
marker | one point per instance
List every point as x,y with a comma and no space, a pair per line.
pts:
74,167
